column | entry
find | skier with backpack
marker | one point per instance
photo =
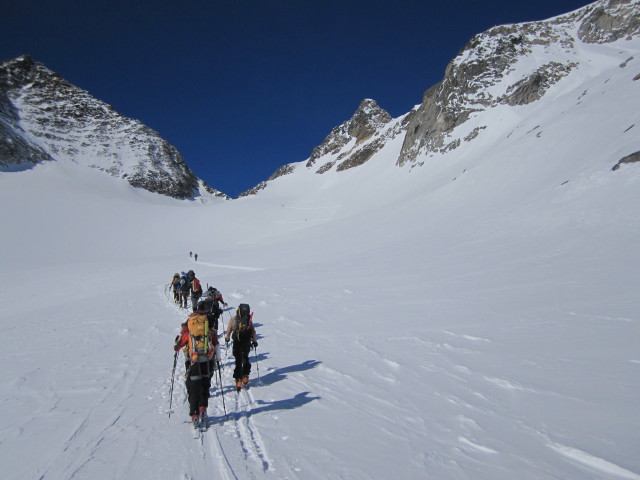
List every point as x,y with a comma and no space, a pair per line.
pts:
213,296
244,337
175,287
203,347
195,290
185,287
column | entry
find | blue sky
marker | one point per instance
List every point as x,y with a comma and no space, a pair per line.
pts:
242,87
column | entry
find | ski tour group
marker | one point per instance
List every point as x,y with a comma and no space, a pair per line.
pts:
198,340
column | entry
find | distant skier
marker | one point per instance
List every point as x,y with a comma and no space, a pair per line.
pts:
215,298
190,254
175,287
196,257
244,336
195,290
185,287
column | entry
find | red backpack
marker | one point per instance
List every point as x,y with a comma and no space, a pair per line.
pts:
195,286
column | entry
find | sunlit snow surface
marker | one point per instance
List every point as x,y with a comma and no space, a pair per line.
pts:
474,318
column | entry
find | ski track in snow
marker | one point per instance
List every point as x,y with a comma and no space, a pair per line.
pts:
593,462
235,441
232,267
232,442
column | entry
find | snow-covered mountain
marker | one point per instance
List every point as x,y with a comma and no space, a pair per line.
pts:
508,65
471,314
44,117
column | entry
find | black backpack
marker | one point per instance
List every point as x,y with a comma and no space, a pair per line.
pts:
244,326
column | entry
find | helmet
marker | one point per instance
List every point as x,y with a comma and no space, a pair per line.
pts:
175,275
191,273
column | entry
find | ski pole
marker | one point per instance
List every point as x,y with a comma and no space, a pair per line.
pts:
173,376
255,349
214,374
221,389
224,329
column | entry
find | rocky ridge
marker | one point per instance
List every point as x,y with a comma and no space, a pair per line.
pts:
510,65
482,75
43,117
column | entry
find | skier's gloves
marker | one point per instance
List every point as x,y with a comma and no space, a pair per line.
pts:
254,343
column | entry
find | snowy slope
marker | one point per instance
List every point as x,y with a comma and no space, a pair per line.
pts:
476,317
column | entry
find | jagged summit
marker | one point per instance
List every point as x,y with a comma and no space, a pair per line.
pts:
348,145
44,117
368,119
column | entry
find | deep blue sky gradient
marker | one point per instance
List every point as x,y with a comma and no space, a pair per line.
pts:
242,87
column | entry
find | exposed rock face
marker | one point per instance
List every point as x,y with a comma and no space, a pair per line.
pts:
487,64
43,117
13,139
634,157
284,170
609,21
254,190
368,119
534,86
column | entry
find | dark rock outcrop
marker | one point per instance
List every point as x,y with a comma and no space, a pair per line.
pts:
634,157
365,122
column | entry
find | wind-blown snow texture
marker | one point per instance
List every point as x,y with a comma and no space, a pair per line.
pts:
477,317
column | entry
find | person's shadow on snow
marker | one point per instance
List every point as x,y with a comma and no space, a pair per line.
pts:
270,378
296,401
281,373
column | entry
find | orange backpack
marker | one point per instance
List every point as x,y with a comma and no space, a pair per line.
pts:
199,348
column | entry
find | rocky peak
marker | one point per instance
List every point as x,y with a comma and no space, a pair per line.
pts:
44,117
367,119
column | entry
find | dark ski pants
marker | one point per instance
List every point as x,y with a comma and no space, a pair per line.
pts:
198,384
194,302
241,351
184,299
